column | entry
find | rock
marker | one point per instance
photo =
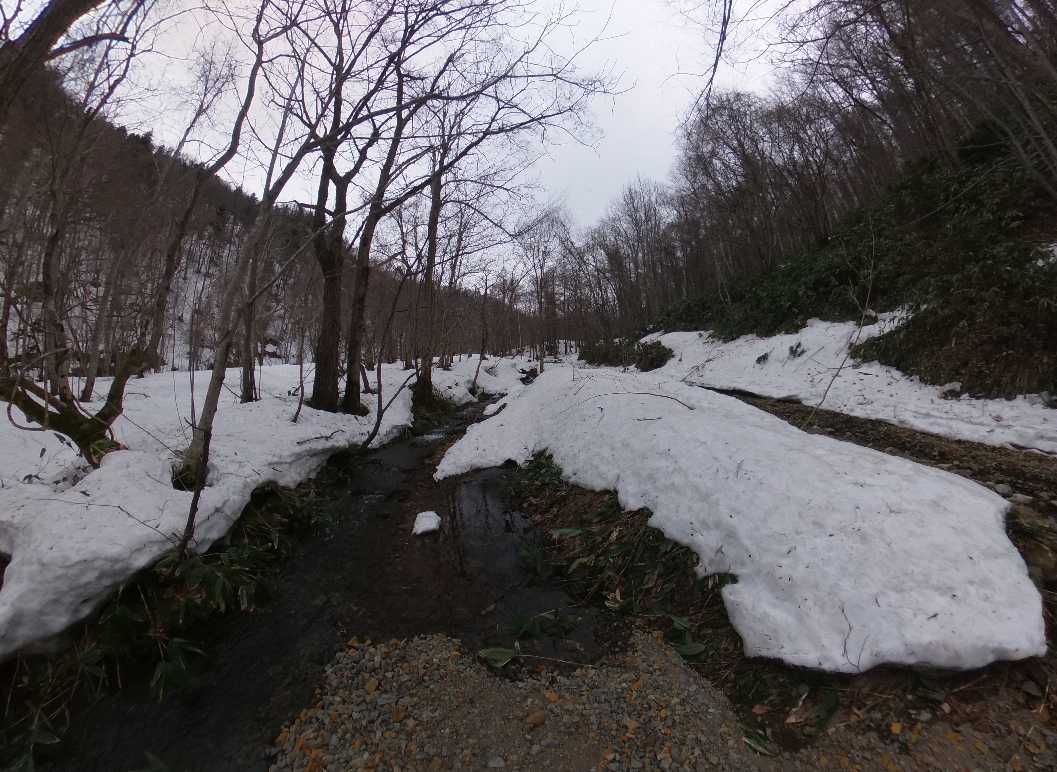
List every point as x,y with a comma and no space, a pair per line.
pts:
1031,688
536,718
496,763
1021,498
1002,489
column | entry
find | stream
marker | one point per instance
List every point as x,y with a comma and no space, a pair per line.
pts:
364,577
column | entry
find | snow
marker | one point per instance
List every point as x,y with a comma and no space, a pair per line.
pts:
74,533
496,376
426,522
863,389
845,558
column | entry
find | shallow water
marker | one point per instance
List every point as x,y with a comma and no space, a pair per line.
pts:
477,579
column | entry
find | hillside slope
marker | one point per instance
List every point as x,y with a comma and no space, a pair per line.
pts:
969,252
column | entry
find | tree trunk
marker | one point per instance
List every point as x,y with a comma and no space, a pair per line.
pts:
91,433
424,386
56,350
249,321
484,337
192,472
160,300
325,394
351,402
102,329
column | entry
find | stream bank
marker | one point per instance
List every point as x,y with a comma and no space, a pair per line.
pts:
361,575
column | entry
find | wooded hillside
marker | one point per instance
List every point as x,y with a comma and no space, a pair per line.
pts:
905,161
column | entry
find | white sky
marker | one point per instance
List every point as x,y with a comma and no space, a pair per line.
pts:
661,57
658,55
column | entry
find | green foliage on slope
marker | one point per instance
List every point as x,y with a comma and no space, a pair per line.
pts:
964,249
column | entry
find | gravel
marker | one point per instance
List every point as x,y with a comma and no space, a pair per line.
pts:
428,704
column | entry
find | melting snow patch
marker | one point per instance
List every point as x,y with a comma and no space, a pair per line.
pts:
73,533
426,522
846,558
814,363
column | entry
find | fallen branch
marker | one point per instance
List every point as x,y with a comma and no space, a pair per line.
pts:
320,437
639,394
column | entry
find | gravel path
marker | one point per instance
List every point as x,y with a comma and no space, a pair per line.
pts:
428,704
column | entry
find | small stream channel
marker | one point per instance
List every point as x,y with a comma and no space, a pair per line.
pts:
365,577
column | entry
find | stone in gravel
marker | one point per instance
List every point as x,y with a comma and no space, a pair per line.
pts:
1030,687
536,718
1002,489
496,763
1021,498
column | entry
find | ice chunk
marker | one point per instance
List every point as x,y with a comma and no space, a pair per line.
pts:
426,522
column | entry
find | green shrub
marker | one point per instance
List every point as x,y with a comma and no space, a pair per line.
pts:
622,352
618,352
650,356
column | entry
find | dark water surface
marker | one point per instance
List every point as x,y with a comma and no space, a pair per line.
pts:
365,577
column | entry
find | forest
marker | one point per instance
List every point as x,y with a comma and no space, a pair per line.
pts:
280,276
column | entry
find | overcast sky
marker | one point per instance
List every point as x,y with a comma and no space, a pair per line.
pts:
657,54
661,57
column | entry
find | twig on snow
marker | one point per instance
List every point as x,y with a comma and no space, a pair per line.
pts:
320,437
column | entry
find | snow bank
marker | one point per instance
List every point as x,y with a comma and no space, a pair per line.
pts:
846,558
74,533
496,376
766,366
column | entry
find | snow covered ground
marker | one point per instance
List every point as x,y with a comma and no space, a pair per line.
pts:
845,558
74,533
766,366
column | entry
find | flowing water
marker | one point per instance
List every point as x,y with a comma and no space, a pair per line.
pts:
480,579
